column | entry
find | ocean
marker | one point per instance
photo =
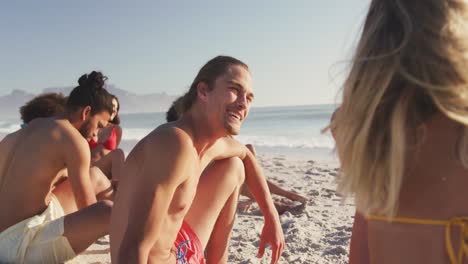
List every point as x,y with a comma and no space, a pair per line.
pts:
291,131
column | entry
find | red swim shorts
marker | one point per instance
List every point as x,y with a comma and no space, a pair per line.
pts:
189,249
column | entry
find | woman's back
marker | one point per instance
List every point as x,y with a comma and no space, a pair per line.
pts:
402,130
434,188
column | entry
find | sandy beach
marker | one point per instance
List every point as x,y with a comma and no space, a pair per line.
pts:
316,233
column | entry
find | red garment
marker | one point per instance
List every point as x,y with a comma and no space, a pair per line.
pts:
110,143
189,249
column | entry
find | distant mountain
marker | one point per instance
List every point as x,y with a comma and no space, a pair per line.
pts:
10,103
129,102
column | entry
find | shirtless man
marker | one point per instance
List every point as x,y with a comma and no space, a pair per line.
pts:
173,204
53,104
43,226
174,113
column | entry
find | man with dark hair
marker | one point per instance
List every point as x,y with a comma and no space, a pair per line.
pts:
43,226
44,105
174,111
173,203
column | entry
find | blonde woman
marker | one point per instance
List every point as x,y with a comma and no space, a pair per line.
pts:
401,131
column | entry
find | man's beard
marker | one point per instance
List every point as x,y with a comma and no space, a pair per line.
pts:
85,130
232,130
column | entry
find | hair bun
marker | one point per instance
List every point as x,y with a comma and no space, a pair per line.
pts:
94,80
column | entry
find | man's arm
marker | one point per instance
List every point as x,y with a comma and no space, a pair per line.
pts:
272,232
223,148
164,168
77,161
228,147
254,178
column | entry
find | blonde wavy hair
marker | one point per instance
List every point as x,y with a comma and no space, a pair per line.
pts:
411,62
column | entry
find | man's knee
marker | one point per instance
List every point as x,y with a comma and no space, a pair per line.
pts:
105,207
98,179
106,204
236,166
226,171
96,175
118,154
101,213
251,148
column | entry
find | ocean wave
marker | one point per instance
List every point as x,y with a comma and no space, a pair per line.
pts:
322,142
303,141
135,133
7,127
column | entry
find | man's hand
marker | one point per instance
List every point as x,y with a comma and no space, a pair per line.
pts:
272,234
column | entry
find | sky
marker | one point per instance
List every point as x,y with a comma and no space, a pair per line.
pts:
297,50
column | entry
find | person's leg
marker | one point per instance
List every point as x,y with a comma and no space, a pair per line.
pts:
118,159
111,163
102,189
102,185
217,247
274,189
104,162
84,227
212,213
63,238
70,231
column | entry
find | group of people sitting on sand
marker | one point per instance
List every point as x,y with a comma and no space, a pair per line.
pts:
401,138
180,184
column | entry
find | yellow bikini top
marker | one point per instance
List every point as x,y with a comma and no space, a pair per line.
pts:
459,221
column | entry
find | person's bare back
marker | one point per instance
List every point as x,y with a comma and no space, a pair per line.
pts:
441,198
402,134
171,198
41,222
165,141
26,186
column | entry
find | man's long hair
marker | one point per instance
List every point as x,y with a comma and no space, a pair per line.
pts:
208,74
